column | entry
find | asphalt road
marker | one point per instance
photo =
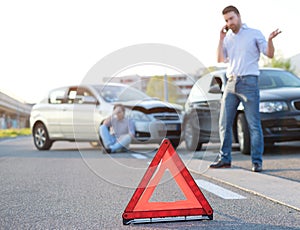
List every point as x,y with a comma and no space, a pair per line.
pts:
74,186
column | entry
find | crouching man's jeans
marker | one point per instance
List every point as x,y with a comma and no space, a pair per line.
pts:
110,141
242,89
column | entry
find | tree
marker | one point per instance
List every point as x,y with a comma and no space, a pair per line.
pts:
278,61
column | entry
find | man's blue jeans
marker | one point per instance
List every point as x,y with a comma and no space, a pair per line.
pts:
244,89
110,141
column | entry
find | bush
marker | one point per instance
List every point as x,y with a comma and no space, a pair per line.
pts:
14,132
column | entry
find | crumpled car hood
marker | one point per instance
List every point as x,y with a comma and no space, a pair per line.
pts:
152,106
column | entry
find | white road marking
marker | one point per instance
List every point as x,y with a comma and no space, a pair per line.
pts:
217,190
139,156
210,187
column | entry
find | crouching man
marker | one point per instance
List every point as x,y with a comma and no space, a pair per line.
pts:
117,131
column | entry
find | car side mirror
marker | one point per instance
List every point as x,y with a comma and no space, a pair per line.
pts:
216,86
215,89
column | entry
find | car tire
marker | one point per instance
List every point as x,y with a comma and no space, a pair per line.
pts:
191,137
175,143
243,134
269,146
41,137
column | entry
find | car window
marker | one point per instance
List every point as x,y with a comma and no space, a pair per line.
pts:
57,96
196,92
77,94
114,93
270,79
201,91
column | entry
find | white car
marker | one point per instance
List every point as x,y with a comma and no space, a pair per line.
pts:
74,113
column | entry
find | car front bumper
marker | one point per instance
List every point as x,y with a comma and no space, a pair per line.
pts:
155,132
281,128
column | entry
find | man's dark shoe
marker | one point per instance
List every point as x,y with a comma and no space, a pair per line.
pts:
256,167
220,164
106,150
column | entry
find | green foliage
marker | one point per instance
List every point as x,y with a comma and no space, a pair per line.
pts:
14,132
155,88
281,63
278,61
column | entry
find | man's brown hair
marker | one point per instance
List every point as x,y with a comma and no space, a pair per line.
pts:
119,105
228,9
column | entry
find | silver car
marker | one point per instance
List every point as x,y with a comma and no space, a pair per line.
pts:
74,113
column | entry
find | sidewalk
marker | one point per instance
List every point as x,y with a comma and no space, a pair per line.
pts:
279,190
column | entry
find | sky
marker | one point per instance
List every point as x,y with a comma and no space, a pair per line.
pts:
48,44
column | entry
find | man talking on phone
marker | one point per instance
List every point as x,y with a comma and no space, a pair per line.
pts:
240,47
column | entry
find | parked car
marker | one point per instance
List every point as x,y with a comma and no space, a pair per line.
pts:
74,113
279,110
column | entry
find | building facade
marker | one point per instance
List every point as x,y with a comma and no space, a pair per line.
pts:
13,113
181,82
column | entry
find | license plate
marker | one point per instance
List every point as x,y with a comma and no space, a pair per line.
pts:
171,127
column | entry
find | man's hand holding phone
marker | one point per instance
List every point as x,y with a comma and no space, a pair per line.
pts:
225,29
223,32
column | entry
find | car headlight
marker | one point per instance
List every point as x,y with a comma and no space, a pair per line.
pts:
180,114
272,106
138,116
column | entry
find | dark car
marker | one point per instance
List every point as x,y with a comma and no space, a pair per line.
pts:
74,113
279,110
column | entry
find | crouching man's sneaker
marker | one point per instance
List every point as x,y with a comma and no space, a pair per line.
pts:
220,164
107,150
256,167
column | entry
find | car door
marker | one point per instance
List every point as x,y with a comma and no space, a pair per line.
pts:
85,115
66,118
205,100
52,112
214,96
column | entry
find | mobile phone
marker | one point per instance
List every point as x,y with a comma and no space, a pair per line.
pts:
225,29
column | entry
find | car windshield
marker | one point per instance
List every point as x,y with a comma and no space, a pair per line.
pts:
118,93
270,79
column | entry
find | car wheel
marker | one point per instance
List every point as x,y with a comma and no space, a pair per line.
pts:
41,137
175,143
269,146
243,134
191,137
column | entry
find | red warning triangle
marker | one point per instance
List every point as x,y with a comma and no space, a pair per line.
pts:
195,204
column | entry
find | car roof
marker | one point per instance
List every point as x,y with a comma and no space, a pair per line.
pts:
260,68
91,85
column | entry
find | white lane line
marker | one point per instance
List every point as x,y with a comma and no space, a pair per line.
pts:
219,191
139,156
